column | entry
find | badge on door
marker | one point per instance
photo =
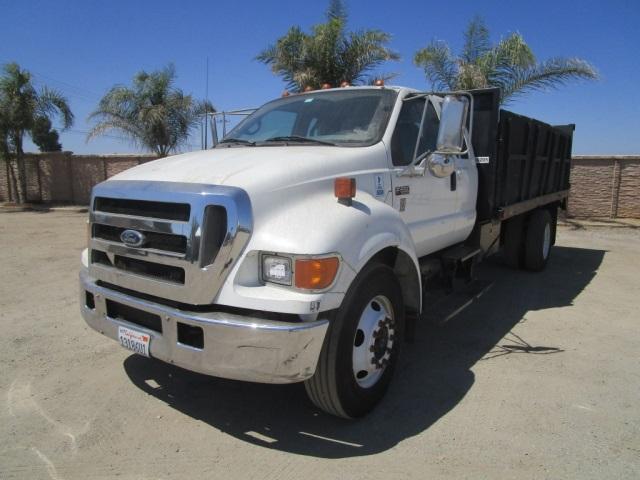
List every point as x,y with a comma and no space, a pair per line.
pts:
379,185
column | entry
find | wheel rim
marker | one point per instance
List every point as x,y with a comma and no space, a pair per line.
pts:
373,341
546,244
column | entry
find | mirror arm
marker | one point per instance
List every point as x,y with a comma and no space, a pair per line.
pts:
412,170
467,139
424,114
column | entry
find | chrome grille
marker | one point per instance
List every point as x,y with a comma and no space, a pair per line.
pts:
155,241
193,235
143,208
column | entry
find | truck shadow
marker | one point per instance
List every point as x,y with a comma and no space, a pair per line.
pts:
434,375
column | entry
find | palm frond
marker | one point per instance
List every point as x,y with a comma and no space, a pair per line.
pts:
337,10
152,113
438,64
365,51
52,102
286,56
328,54
510,65
513,50
202,107
546,75
476,40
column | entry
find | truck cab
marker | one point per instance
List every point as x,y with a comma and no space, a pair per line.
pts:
301,247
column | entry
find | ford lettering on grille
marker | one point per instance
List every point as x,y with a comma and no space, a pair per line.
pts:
132,238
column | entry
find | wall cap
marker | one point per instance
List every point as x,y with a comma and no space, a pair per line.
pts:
605,157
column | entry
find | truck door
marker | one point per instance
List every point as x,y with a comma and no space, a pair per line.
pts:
428,204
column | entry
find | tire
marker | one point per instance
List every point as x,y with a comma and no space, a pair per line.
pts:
335,388
513,245
538,241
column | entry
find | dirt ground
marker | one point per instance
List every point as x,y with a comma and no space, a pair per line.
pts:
538,379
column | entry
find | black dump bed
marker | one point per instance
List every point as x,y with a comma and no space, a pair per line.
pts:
528,160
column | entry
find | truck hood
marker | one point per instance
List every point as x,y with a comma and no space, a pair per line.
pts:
260,169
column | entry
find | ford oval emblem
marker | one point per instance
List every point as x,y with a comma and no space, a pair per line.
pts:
132,238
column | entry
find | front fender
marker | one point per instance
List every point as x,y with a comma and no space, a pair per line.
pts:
315,223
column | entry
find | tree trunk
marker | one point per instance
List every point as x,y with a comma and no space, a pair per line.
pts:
13,184
21,177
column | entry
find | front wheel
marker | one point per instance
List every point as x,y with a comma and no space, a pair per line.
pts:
362,346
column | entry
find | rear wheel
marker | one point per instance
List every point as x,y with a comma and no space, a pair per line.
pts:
362,345
538,241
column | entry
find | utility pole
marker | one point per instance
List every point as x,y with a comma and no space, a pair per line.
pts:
206,108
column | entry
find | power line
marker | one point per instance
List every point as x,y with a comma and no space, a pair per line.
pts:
123,139
69,88
82,90
85,132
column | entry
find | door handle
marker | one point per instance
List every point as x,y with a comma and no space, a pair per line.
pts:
454,181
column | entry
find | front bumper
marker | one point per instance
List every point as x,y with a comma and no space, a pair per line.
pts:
235,346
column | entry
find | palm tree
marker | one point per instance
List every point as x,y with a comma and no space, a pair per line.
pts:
21,108
328,54
153,113
509,64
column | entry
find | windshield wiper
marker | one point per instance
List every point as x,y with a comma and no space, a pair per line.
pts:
237,140
297,138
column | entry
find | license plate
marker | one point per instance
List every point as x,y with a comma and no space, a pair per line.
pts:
133,340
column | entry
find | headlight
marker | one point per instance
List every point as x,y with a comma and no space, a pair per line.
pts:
306,273
276,269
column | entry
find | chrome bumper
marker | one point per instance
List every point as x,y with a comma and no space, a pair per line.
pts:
237,347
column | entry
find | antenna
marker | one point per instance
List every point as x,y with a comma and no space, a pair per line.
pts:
206,107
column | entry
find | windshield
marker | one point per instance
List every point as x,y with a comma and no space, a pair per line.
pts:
346,117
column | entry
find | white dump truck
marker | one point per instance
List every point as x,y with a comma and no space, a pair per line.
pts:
306,244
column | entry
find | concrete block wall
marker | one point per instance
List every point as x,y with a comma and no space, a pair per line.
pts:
63,177
601,186
605,186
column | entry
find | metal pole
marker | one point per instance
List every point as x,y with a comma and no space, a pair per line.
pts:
214,130
206,108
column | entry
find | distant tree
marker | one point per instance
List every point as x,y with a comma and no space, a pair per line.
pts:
510,64
152,113
21,105
45,137
329,54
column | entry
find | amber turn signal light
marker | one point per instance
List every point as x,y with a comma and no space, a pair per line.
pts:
344,188
315,273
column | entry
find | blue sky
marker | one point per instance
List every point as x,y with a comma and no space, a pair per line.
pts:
82,48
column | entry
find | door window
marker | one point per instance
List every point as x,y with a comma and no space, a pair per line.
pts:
405,135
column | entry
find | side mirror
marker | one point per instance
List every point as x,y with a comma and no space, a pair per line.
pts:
453,119
440,165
